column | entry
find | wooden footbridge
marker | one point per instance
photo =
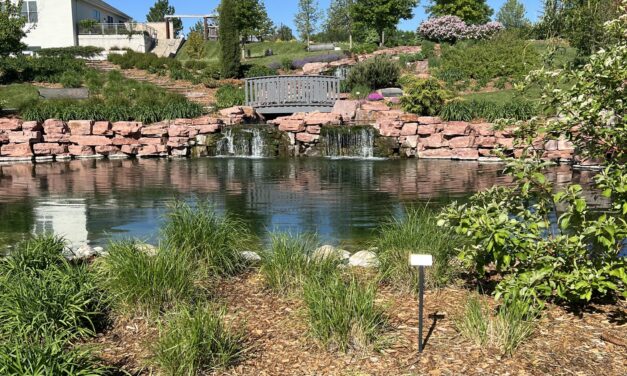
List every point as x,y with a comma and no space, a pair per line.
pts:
289,94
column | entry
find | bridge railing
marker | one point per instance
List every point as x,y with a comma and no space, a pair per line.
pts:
286,94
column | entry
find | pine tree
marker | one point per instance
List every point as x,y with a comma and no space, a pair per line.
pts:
306,20
512,15
158,12
229,40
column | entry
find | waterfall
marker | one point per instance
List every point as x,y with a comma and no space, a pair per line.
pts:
242,142
356,141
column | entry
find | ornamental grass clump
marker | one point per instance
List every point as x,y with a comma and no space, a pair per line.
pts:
138,282
196,339
416,232
341,311
376,73
196,231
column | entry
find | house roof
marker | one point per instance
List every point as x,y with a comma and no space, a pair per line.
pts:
103,5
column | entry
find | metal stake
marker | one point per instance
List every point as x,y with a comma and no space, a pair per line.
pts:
421,287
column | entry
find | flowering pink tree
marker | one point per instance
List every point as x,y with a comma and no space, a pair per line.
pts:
453,28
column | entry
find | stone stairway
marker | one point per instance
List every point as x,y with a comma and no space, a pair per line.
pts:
195,93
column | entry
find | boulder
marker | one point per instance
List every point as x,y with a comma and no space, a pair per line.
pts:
461,142
81,150
321,118
130,149
374,106
205,120
182,131
409,141
466,154
436,154
24,137
16,150
179,151
485,141
409,129
127,128
155,130
90,140
102,128
152,151
482,129
347,109
80,127
84,252
507,143
4,137
10,124
62,138
250,256
426,129
313,129
291,125
119,141
32,126
389,128
183,121
327,251
391,92
364,259
151,141
315,68
107,149
435,141
455,128
427,120
49,148
307,137
54,126
207,128
178,142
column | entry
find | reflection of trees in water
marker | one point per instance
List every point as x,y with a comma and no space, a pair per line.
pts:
17,220
340,198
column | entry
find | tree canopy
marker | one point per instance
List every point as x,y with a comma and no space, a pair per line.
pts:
381,14
11,28
252,19
306,19
229,39
471,11
512,14
157,13
338,25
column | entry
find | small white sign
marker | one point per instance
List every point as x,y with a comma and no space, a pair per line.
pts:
420,260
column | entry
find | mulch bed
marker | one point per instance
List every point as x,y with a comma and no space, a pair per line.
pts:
564,343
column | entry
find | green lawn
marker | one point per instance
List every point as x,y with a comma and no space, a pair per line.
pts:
281,50
17,95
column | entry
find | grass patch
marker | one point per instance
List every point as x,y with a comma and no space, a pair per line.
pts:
17,95
202,235
512,324
341,311
416,232
196,339
136,282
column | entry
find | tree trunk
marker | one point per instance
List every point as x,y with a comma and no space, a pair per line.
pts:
350,41
382,39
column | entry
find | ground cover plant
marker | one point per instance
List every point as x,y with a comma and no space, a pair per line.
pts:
376,73
467,110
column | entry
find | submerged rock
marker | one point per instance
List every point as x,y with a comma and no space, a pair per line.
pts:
84,252
364,259
250,256
330,252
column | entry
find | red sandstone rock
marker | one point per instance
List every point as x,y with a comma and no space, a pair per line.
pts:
151,141
205,120
409,141
389,128
461,142
565,145
315,68
80,127
4,137
20,137
107,149
287,125
374,106
409,118
179,152
485,141
54,126
409,129
466,154
228,112
90,140
152,150
183,122
550,145
433,142
306,137
16,150
182,131
482,129
129,149
455,128
57,137
426,130
32,126
178,142
127,128
207,128
320,118
102,128
429,120
485,152
507,132
507,143
313,129
558,154
119,141
156,130
10,124
436,153
346,109
80,150
48,148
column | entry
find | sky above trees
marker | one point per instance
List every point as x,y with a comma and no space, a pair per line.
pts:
283,11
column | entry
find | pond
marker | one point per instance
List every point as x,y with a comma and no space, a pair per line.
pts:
343,200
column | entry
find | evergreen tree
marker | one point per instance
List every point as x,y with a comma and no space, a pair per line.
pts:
158,12
512,15
11,28
306,20
195,45
283,32
338,25
471,11
381,15
198,27
229,39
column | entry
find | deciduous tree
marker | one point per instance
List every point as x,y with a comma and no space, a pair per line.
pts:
11,28
382,14
283,32
307,18
338,25
471,11
512,15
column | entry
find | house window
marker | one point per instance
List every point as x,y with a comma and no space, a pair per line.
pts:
95,14
29,11
109,19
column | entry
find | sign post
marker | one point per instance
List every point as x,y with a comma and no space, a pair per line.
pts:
420,261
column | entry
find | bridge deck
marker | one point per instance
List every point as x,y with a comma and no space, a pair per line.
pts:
289,94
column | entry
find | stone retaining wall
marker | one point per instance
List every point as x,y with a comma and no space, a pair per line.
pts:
400,134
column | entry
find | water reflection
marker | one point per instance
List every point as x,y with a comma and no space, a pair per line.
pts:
343,200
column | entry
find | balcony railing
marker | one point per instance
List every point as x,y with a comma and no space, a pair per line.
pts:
126,28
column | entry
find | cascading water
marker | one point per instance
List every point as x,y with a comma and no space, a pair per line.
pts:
355,142
243,142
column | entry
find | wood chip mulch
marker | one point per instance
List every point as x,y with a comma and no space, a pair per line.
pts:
564,343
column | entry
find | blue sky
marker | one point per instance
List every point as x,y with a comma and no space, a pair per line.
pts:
283,11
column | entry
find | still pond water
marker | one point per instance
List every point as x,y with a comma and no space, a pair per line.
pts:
343,201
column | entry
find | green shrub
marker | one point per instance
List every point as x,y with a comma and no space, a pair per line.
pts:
195,340
513,323
379,72
364,48
427,48
286,64
342,312
360,92
416,232
137,282
424,97
516,109
260,71
70,52
202,235
229,96
70,80
195,65
212,71
44,69
284,265
406,59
